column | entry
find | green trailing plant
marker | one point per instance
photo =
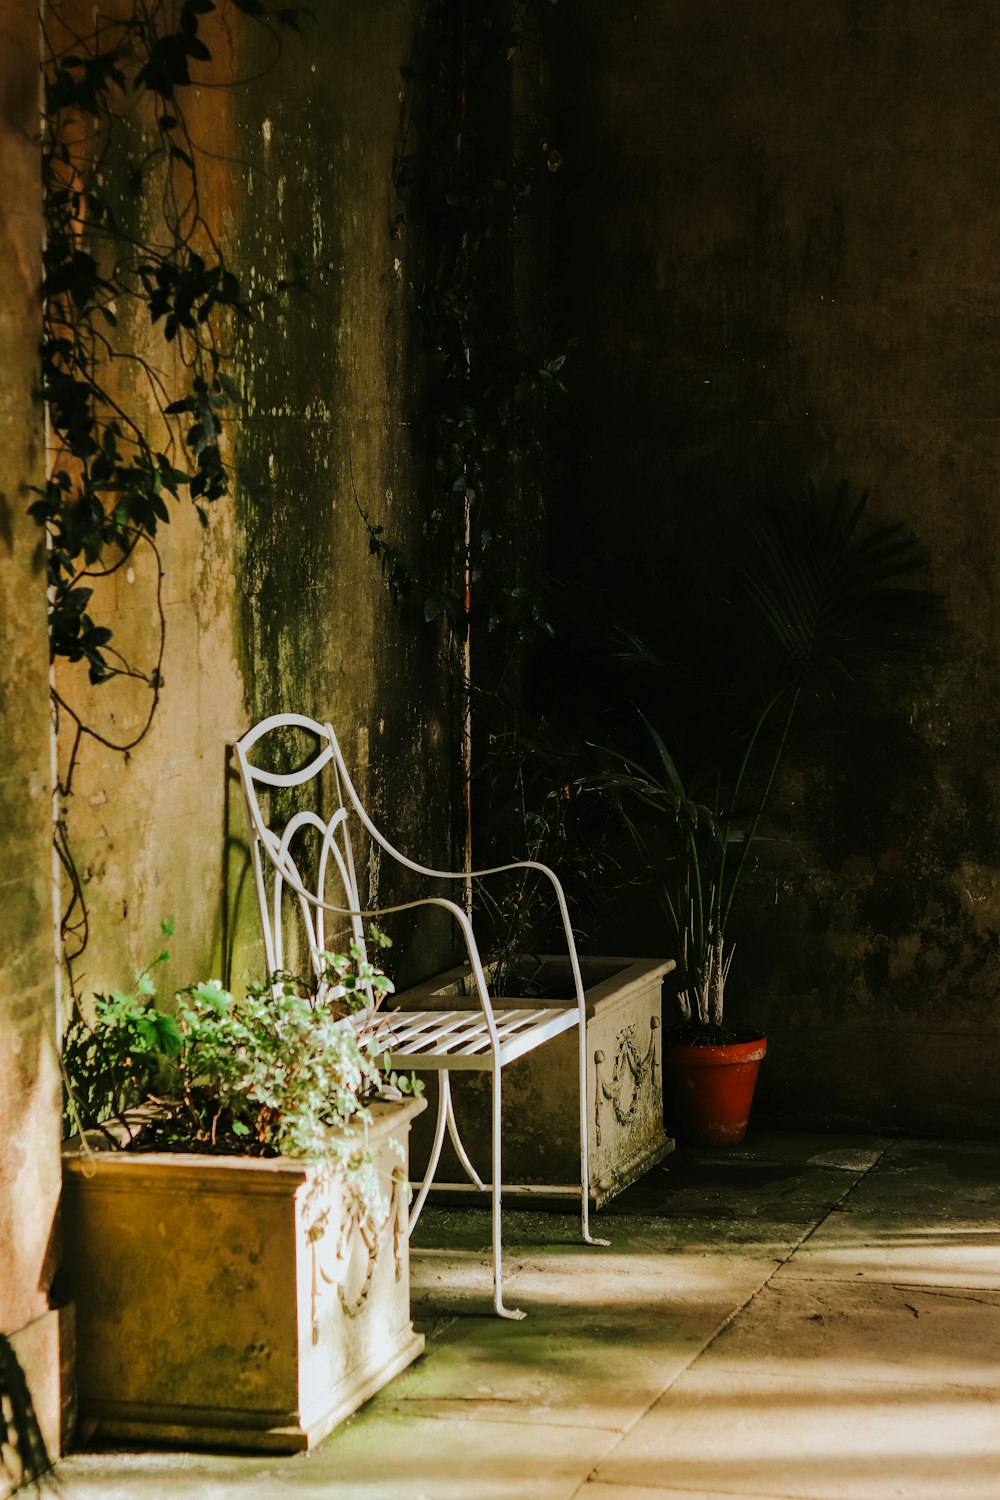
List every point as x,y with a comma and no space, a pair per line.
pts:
520,909
535,806
822,602
280,1071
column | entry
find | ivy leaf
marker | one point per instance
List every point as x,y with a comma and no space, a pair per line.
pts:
212,994
77,600
166,68
167,1033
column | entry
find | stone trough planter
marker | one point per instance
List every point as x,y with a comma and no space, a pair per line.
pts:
227,1301
540,1101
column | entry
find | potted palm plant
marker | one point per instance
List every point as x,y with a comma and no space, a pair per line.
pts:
234,1210
822,602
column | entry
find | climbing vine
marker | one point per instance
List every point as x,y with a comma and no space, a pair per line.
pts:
138,307
475,175
467,177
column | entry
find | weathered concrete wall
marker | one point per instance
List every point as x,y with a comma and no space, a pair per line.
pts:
332,385
29,1077
781,250
277,605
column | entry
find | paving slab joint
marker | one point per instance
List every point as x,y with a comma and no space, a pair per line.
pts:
806,1235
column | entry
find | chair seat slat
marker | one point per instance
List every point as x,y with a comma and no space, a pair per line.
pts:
468,1038
414,1035
512,1023
426,1026
420,1031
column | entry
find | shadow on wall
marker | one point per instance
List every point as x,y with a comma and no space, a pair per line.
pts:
23,1455
237,936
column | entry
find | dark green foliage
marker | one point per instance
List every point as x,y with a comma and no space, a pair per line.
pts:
467,177
271,1073
474,177
824,594
112,479
817,604
111,1064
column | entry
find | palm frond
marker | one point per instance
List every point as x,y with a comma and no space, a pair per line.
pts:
831,597
828,598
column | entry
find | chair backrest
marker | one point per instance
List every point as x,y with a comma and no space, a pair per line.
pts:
307,860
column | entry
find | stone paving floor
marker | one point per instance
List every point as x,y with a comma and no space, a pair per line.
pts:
807,1317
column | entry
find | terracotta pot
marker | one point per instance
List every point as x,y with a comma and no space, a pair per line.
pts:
710,1089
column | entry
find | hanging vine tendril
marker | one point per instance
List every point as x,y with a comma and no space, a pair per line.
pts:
138,304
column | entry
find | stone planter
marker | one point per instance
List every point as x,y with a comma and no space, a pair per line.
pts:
213,1309
541,1142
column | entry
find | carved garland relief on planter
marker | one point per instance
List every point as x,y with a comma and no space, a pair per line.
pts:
356,1227
541,1109
629,1063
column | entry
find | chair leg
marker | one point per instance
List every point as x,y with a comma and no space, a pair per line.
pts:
588,1238
460,1151
498,1302
444,1109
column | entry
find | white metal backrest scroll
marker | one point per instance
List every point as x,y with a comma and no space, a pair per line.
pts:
439,1046
275,849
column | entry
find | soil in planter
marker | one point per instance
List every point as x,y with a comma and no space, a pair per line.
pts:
693,1034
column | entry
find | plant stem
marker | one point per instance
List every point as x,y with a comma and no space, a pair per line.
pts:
775,763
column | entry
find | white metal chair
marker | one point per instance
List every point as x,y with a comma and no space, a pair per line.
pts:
484,1039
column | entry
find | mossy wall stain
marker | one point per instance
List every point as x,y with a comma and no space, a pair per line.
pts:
332,389
277,605
779,252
